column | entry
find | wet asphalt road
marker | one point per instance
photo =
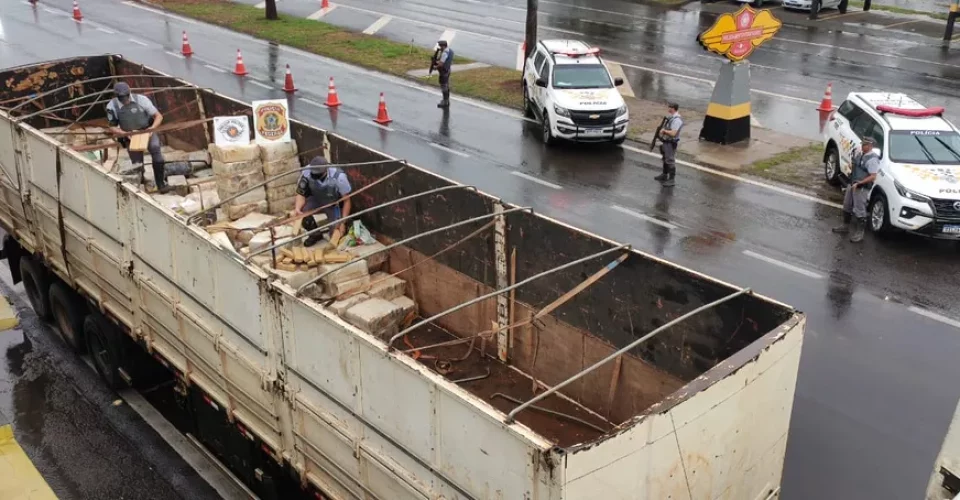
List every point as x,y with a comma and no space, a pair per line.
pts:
877,382
66,421
659,54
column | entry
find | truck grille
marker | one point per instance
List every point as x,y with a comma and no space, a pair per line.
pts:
945,210
586,118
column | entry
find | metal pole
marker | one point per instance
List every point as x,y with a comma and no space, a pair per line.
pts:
628,348
531,29
88,80
401,242
64,105
504,290
278,176
351,216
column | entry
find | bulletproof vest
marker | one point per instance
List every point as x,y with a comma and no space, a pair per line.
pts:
323,193
449,62
132,116
669,126
860,171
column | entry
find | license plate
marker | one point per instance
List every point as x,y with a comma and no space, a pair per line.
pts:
593,131
951,229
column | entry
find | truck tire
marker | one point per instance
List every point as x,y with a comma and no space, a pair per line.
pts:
36,283
103,344
547,135
68,312
878,214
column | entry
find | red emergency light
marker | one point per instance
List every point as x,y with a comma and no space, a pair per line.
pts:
573,53
914,113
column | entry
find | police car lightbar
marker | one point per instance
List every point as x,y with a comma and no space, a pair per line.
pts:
576,53
914,113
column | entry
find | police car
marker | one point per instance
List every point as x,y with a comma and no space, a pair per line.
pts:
567,88
918,185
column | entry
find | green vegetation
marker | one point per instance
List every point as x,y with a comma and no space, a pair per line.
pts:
900,10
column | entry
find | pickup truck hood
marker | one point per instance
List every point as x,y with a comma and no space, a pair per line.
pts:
588,99
937,181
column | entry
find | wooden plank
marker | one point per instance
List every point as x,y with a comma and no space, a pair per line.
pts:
139,142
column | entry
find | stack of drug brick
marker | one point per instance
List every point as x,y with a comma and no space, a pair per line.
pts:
237,168
278,159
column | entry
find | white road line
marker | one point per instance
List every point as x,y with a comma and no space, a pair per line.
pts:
187,20
261,5
261,85
369,121
377,25
138,42
444,148
50,11
448,36
320,13
780,263
754,122
747,180
538,181
105,30
311,102
617,71
934,316
520,57
210,66
424,23
174,54
647,218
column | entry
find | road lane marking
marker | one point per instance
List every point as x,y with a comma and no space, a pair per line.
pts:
934,316
51,11
652,220
617,72
310,102
187,20
369,121
520,57
780,263
444,148
901,23
320,13
377,25
105,30
261,5
210,66
538,181
174,54
261,85
424,23
138,42
747,180
448,36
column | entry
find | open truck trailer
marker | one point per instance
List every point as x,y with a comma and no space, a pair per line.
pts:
598,372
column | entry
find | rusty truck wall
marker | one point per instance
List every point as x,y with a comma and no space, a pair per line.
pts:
72,76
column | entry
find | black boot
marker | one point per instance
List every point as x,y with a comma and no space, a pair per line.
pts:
445,102
845,227
665,175
310,224
160,177
858,228
669,182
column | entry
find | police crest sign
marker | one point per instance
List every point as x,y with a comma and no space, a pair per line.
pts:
271,121
231,130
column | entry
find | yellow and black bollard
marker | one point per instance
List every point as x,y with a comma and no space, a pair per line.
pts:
951,19
728,116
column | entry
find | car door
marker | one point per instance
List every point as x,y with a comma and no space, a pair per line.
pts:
542,92
533,72
843,133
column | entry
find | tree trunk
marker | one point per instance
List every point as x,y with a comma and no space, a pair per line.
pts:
272,10
531,32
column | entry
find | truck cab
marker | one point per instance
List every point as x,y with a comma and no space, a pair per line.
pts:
569,90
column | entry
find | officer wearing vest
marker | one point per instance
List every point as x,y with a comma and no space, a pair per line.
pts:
444,65
865,168
133,112
669,139
318,187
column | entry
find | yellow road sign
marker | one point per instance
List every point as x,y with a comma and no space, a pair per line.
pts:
736,35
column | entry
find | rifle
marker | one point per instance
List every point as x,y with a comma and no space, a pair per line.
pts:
656,135
434,60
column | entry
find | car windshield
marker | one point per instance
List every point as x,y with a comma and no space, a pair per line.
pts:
581,76
925,147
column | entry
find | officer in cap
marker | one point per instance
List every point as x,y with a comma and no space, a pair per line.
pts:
128,112
855,198
444,64
319,186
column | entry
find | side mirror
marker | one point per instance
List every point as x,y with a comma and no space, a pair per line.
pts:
541,83
617,82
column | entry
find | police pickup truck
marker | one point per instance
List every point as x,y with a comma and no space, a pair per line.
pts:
918,186
569,90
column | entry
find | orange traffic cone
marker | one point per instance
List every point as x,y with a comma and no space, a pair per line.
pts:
77,16
332,99
826,105
186,50
240,69
382,117
288,82
325,4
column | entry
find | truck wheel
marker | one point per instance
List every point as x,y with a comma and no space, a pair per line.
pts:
831,166
103,344
547,134
68,311
36,283
879,214
527,107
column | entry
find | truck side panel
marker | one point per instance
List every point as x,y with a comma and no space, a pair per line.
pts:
728,442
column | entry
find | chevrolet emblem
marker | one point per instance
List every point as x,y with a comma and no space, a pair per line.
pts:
594,117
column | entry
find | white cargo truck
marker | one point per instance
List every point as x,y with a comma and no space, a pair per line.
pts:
472,349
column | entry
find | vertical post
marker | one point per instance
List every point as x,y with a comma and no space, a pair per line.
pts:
271,8
815,9
951,19
531,33
500,256
866,5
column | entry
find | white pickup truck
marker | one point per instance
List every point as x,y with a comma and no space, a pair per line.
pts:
648,380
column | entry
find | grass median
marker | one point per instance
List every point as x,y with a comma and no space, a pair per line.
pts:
493,84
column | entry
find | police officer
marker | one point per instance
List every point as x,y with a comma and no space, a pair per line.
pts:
865,168
128,112
669,138
319,186
444,64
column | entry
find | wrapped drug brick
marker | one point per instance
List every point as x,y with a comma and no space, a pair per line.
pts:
234,153
278,151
